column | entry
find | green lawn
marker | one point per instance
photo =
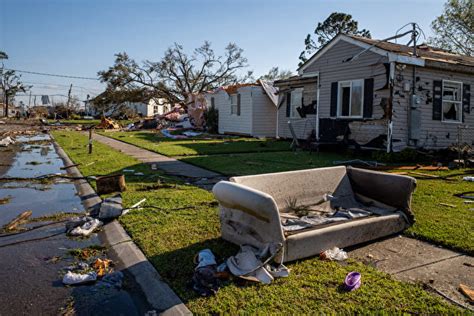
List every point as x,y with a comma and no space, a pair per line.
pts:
444,225
170,238
256,163
154,141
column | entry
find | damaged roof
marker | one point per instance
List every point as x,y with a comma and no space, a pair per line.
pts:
435,57
423,51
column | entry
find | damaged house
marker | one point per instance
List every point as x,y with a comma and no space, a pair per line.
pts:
246,109
378,94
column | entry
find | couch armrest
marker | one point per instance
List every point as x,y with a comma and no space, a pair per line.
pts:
391,189
248,216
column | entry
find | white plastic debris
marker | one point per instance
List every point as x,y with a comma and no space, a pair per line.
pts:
470,179
334,254
6,141
86,229
71,278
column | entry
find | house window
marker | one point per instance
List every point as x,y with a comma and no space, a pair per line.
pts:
213,103
155,109
350,98
296,101
452,101
235,104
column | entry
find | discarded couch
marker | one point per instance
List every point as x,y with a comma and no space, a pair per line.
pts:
309,211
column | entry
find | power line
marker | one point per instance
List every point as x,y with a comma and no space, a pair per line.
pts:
61,85
52,75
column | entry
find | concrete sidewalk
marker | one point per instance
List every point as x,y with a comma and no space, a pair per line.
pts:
412,260
171,166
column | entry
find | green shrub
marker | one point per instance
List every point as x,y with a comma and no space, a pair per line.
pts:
212,120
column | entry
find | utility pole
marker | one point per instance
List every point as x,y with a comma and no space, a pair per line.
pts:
29,100
68,100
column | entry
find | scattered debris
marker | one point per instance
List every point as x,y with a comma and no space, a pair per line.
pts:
134,206
334,253
72,278
358,162
205,281
255,265
83,226
70,166
110,208
464,195
17,221
102,266
107,123
7,141
352,281
448,205
470,179
110,184
5,200
468,292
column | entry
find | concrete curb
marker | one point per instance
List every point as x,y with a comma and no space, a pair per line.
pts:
158,294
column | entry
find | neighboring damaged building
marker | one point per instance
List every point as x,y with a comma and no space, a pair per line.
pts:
246,109
360,92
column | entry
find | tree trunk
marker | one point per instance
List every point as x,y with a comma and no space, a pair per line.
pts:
6,106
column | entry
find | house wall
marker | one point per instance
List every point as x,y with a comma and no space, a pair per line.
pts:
161,104
434,134
332,68
264,114
301,126
231,123
140,108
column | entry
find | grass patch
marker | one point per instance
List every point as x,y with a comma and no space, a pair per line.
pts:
171,236
257,163
198,146
443,225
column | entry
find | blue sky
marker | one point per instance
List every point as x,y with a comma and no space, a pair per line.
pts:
81,37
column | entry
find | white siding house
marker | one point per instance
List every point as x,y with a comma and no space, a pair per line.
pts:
245,109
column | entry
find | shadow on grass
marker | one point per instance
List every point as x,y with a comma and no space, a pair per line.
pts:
203,146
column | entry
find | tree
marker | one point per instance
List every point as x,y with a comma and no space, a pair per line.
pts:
276,74
454,29
334,24
10,85
177,75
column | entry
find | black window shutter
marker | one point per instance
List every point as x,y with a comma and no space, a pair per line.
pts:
437,99
333,110
238,104
368,97
466,100
288,104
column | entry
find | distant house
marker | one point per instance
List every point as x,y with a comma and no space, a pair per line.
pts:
151,107
246,109
380,95
141,105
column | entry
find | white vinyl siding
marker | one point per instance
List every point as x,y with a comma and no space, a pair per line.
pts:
333,68
434,134
234,104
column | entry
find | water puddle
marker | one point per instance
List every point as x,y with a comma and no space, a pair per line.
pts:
36,156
